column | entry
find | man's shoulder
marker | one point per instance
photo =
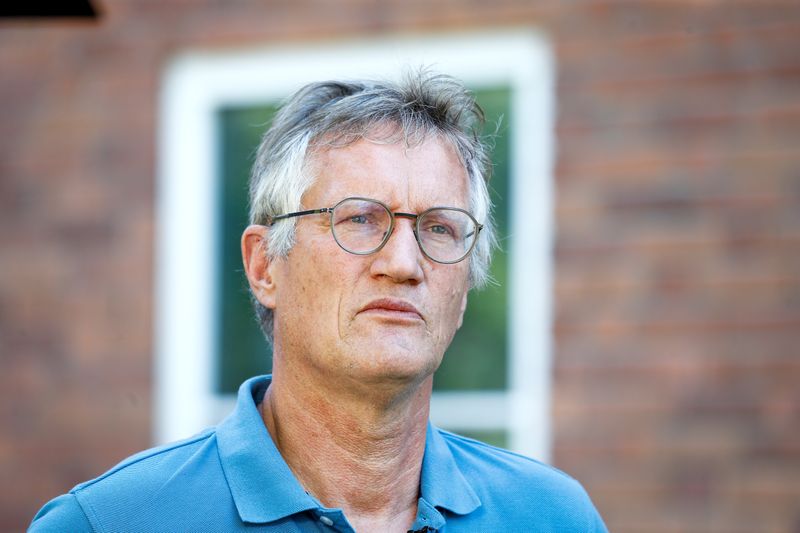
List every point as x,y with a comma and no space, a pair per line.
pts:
523,487
152,467
153,485
478,458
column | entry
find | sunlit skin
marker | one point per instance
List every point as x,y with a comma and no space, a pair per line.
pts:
357,338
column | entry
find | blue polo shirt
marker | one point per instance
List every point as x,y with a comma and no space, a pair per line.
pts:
233,478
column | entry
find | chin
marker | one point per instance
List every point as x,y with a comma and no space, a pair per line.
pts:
389,355
394,365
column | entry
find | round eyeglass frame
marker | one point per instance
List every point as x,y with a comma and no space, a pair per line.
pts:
392,216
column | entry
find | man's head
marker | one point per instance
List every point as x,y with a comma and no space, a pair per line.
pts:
329,116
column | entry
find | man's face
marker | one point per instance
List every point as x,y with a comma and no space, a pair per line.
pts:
383,317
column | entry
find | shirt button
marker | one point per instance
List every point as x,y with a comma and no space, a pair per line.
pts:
325,520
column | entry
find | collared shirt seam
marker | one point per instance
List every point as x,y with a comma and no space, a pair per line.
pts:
155,453
502,451
88,509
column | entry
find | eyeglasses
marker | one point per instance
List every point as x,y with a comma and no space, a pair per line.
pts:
362,226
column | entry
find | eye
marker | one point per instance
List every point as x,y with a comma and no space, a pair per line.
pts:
358,219
365,218
439,229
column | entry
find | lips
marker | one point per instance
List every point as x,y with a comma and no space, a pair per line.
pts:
392,307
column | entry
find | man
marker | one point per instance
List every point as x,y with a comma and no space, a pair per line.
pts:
370,223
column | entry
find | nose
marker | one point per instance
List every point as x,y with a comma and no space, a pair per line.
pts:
400,259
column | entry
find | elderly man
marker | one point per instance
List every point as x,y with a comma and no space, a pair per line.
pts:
370,223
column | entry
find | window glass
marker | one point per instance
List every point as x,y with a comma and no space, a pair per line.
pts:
497,437
242,351
477,358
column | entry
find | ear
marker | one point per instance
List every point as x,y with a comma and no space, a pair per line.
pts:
258,267
463,308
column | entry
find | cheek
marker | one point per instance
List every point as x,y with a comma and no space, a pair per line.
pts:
314,290
450,311
454,310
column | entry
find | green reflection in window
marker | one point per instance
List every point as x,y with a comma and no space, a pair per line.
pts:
242,351
477,357
496,437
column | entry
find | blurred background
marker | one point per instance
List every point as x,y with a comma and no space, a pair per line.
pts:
663,344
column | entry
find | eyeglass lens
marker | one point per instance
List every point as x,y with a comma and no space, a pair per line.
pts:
361,226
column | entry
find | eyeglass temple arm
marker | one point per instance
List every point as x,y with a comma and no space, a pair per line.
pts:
471,233
272,220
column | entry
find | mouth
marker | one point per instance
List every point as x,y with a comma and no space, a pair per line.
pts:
392,309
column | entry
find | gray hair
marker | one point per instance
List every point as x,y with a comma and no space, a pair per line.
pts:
338,113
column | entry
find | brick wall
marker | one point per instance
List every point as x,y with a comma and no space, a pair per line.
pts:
677,253
678,265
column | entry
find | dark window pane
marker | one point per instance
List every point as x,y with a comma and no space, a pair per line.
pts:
242,351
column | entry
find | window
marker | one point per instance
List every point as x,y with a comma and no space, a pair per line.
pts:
494,383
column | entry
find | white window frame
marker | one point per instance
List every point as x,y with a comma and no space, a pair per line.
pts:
197,84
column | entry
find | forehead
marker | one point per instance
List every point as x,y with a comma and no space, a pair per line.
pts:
414,177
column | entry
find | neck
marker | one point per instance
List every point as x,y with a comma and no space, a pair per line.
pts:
358,452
